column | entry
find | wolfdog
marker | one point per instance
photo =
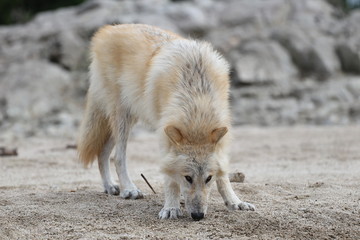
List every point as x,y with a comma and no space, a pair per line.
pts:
179,87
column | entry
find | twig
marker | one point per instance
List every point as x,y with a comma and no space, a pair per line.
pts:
142,175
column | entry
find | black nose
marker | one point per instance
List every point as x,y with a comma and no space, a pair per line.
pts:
197,216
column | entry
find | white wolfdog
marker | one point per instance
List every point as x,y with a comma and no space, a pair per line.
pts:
179,87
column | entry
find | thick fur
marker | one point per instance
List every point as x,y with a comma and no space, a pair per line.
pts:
177,86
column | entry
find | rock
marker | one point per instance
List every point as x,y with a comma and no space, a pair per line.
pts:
312,53
70,51
3,107
37,89
255,14
348,46
349,55
237,177
261,62
190,19
311,15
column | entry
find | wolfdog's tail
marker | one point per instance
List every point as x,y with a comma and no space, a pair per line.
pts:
94,132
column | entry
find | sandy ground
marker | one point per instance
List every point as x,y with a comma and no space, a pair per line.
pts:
304,181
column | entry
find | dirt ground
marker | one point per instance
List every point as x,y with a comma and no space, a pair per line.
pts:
304,181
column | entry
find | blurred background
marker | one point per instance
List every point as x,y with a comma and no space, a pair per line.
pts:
293,62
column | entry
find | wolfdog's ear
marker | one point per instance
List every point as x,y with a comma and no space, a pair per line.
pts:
174,134
217,134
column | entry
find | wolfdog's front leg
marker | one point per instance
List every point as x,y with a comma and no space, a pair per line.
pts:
231,200
171,209
127,187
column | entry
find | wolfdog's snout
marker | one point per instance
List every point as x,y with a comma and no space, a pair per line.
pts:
197,216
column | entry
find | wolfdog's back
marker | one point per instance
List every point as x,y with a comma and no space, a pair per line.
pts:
121,58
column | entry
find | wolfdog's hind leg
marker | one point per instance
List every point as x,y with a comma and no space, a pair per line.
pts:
128,190
104,167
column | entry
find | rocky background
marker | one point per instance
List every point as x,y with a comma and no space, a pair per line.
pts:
293,62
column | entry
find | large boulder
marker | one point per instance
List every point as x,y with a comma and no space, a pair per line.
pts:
348,46
312,53
34,91
261,61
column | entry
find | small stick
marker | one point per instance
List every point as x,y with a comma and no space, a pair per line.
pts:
142,175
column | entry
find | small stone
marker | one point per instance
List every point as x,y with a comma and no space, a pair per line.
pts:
237,177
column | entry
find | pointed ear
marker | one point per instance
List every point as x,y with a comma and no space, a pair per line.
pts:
217,134
174,134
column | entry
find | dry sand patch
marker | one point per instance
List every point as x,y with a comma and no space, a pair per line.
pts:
304,181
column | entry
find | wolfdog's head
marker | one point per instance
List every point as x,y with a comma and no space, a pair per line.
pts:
194,166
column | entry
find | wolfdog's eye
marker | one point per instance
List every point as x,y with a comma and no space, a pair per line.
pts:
188,178
208,179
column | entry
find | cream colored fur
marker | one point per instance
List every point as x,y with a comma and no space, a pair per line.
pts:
177,86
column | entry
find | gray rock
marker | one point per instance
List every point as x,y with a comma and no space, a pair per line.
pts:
189,18
312,53
34,89
346,33
3,107
254,14
261,62
348,46
348,52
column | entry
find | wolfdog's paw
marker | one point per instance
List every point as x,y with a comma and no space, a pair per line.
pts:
131,194
241,206
112,190
170,213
